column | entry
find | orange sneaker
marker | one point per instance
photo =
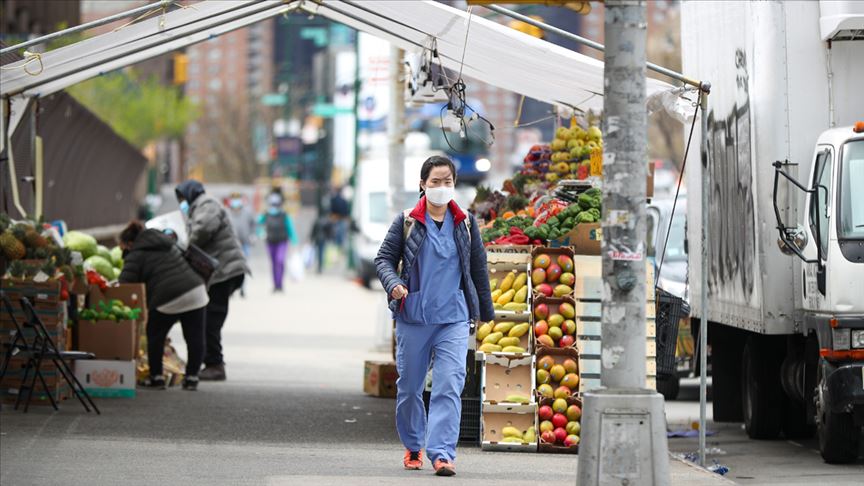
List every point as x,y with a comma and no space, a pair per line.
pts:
413,460
444,467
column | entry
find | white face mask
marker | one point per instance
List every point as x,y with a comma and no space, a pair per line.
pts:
440,196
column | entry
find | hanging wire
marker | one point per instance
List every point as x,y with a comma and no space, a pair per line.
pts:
29,58
677,192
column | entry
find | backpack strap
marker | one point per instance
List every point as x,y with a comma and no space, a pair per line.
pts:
407,224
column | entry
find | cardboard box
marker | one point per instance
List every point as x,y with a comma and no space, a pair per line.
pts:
508,254
41,294
555,448
505,375
557,357
379,379
58,390
499,269
526,341
107,378
108,339
133,295
585,239
554,305
554,254
496,417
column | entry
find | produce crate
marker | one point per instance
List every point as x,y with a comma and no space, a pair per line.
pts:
552,447
554,306
584,239
526,342
508,254
43,295
496,417
504,376
499,271
553,253
558,356
469,423
670,310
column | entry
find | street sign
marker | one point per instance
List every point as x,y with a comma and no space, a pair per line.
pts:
274,99
328,110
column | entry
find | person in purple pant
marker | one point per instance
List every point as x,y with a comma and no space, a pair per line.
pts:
279,229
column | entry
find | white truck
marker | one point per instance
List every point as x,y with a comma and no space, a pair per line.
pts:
786,218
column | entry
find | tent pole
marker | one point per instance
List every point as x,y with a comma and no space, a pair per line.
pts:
703,290
588,42
88,25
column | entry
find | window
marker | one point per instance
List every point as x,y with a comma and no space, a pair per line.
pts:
215,54
215,84
378,207
851,212
820,199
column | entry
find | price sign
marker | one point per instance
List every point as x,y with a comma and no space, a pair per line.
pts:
597,162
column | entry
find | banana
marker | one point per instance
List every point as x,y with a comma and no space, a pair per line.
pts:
519,330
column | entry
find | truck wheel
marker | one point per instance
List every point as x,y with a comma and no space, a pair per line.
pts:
838,435
669,387
727,349
760,389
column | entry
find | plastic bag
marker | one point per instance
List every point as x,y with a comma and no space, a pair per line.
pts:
296,266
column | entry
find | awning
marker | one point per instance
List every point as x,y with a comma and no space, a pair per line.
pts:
494,54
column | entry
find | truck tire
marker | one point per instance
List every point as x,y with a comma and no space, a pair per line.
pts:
762,393
838,435
669,387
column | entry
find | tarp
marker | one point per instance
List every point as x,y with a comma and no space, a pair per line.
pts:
493,53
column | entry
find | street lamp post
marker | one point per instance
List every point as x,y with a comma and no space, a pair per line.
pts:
624,427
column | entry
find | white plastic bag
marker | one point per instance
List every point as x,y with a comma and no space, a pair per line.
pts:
296,266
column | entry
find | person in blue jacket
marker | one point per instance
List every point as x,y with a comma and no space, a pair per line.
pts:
441,287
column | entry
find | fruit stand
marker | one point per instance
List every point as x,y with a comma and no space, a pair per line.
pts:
542,235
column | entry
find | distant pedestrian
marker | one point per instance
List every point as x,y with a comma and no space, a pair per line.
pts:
321,234
174,292
280,233
340,215
442,285
243,222
209,228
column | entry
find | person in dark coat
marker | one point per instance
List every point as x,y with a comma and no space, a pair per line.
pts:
174,292
209,228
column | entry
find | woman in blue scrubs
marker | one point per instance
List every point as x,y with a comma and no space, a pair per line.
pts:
441,287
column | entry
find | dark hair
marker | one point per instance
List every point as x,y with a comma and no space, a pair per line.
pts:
431,163
131,232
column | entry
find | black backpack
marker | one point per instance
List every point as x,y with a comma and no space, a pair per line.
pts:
277,231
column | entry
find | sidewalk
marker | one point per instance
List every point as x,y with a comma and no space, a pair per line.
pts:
292,412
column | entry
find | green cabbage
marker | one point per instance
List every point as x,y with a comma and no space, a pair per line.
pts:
81,242
101,265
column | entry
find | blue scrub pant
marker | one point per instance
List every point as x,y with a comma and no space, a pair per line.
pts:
415,345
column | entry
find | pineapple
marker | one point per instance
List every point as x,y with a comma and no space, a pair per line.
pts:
32,239
19,231
5,222
11,246
16,269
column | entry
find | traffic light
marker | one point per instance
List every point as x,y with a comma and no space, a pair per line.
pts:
181,68
579,6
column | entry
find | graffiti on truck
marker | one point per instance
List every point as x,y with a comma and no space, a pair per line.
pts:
733,260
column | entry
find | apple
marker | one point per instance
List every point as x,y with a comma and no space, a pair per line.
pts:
559,405
565,341
543,377
545,412
545,390
541,328
546,426
546,362
560,435
571,440
562,392
555,333
559,420
541,312
574,412
548,437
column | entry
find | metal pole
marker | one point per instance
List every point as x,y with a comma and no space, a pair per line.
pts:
703,298
88,25
396,132
623,425
587,42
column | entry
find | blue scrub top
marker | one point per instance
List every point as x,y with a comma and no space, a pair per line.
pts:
439,299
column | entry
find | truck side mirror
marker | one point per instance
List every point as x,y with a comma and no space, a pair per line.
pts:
796,237
789,239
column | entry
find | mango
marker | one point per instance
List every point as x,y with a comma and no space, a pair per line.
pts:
484,330
521,295
496,294
517,399
520,281
513,349
556,320
515,307
493,338
515,440
489,348
530,435
566,263
519,330
546,340
508,341
511,431
506,297
566,309
503,326
507,284
542,261
562,290
538,276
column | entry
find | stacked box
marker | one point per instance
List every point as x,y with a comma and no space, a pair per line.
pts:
545,446
507,385
498,416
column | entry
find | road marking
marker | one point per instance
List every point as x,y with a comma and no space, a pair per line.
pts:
794,443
